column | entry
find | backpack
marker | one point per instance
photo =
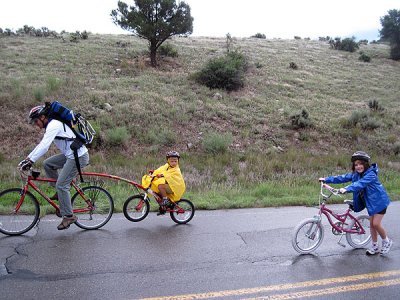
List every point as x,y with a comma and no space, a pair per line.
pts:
82,129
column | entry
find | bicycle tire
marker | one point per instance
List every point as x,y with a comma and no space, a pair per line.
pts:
102,202
359,240
12,223
307,236
184,213
136,208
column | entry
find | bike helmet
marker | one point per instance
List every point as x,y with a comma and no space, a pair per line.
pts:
360,155
35,113
173,154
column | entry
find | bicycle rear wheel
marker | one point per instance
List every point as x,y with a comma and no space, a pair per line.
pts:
183,211
359,240
96,210
136,208
308,236
15,221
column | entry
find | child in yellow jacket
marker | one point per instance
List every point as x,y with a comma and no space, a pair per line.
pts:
167,180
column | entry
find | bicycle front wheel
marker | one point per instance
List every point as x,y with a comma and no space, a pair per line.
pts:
136,208
308,236
95,210
357,240
183,211
17,215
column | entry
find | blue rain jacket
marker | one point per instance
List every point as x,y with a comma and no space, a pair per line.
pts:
375,195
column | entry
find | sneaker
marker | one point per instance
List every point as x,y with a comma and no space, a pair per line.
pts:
373,250
66,222
161,211
386,246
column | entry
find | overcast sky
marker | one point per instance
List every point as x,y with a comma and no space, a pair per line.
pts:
275,19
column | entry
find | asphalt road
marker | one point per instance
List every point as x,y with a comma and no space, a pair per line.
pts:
229,254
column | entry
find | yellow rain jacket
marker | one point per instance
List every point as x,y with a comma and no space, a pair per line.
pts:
172,176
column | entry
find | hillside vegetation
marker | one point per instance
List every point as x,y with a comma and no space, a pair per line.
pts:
239,148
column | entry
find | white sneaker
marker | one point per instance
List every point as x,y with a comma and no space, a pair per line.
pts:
373,250
386,246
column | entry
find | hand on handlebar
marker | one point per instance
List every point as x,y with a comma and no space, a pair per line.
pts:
25,165
342,191
322,179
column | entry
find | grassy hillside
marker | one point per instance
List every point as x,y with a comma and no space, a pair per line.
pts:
152,110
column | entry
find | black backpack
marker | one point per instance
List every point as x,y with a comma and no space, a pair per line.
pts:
82,129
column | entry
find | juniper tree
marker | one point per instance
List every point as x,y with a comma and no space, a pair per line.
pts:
154,20
391,32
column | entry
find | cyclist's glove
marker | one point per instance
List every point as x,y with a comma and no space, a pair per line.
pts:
26,164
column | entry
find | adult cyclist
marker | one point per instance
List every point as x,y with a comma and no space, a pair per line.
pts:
61,167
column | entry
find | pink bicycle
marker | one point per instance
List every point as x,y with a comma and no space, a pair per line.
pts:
308,235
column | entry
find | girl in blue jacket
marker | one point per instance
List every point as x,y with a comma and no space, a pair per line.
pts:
367,192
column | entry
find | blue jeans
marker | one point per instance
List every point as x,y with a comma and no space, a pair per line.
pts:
68,171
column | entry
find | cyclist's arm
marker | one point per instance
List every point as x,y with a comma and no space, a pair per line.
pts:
44,145
339,179
362,183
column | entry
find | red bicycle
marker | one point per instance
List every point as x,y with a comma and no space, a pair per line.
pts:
308,235
137,207
20,210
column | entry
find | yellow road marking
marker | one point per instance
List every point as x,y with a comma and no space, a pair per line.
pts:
279,287
328,291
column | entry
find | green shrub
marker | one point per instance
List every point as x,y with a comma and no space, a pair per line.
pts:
216,143
226,72
84,35
347,44
157,136
74,37
117,136
38,94
363,120
363,42
371,124
259,36
293,66
53,84
395,51
374,105
300,119
168,50
364,57
357,117
396,149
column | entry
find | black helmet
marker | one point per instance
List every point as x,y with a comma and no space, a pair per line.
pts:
360,155
173,154
36,112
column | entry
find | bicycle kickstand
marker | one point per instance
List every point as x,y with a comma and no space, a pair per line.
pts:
340,243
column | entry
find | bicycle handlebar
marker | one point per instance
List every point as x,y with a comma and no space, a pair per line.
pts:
329,188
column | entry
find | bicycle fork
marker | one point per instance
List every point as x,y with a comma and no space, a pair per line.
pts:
312,231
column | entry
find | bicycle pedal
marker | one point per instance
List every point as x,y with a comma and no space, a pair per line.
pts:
341,244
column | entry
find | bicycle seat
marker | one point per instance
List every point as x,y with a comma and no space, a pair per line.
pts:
350,203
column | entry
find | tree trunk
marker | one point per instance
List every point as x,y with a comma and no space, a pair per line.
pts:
153,55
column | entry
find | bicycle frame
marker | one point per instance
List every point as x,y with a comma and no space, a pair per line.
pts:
341,217
30,183
138,186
